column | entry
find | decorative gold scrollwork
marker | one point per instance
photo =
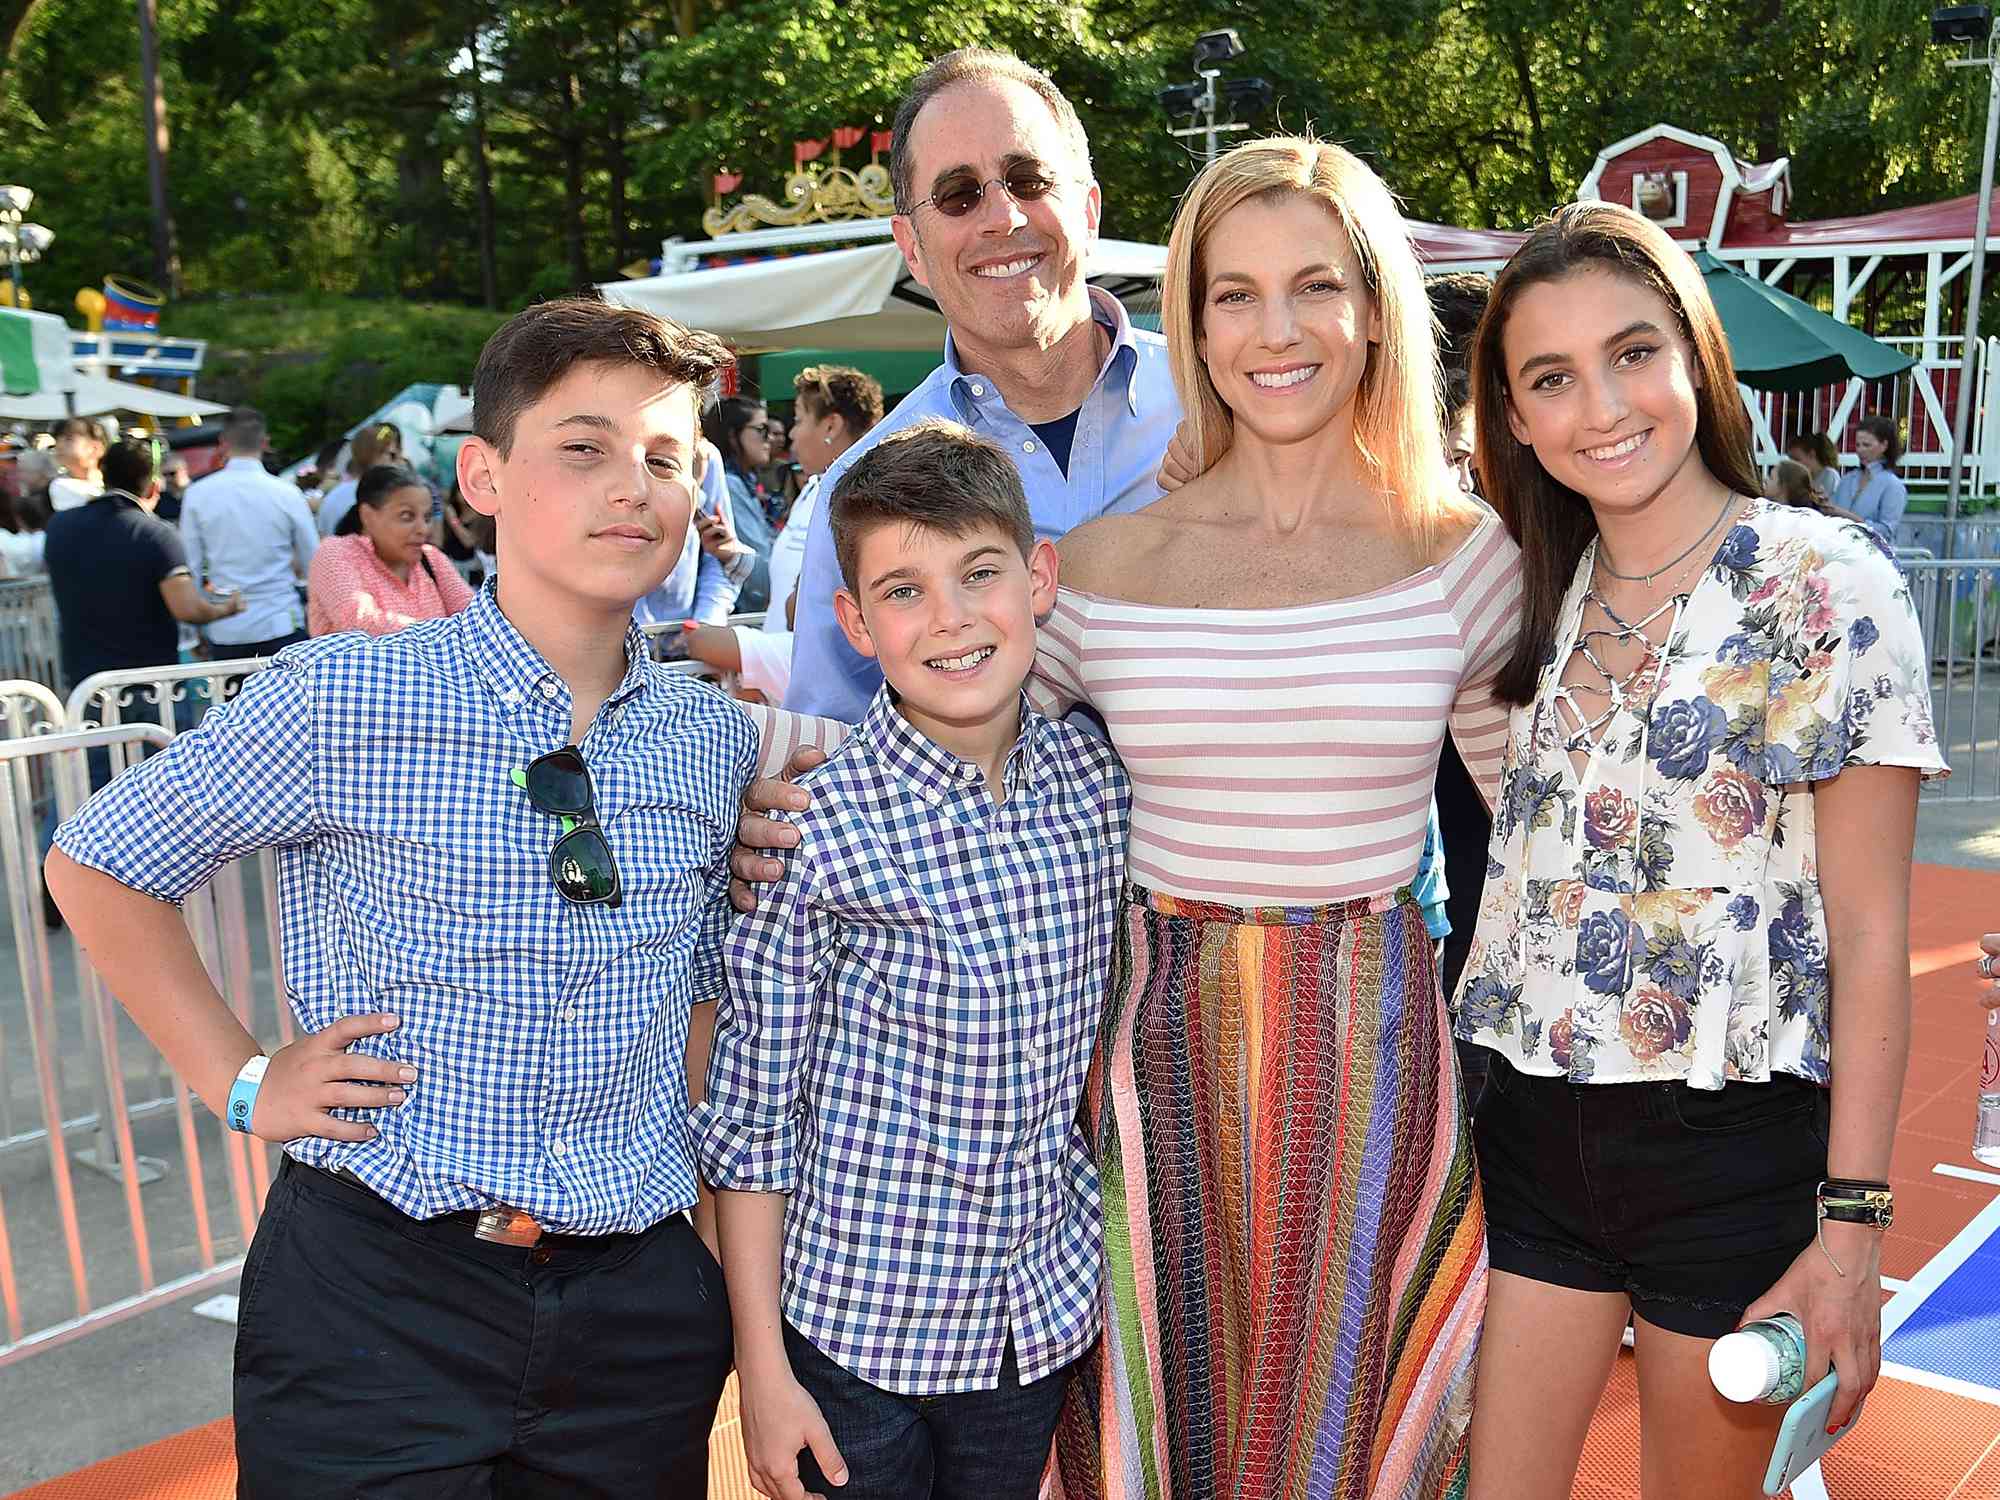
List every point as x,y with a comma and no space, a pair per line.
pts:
811,198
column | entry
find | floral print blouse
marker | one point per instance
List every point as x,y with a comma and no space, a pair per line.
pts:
1659,916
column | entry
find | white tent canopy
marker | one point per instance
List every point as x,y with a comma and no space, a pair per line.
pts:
838,299
93,395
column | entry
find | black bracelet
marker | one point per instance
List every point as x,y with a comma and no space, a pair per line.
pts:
1855,1185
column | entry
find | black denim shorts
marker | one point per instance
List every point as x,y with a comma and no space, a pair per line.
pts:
1692,1202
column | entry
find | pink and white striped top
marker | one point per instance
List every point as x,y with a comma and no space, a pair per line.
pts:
1286,756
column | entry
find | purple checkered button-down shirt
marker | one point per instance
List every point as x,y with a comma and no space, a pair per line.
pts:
902,1048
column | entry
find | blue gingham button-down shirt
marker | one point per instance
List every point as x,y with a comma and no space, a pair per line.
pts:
902,1048
413,879
1122,432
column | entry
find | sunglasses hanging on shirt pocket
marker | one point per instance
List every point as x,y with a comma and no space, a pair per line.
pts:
581,866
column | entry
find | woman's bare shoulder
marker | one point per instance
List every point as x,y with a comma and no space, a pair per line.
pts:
1097,555
1458,517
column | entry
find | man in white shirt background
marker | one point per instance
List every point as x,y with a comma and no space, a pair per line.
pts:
247,531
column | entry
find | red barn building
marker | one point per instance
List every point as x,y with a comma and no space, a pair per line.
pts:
1899,275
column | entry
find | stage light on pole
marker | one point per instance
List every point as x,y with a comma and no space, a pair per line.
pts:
22,244
1198,101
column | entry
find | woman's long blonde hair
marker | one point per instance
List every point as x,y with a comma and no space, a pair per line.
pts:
1397,432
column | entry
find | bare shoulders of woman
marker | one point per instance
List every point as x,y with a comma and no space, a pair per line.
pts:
1098,555
1459,516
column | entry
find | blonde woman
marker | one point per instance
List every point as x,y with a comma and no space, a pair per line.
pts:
1295,1250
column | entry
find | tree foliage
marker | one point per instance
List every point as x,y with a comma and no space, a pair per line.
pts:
492,150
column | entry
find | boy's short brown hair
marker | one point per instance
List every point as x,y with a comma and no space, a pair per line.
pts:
532,351
936,474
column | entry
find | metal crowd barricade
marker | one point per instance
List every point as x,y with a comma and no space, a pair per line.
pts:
165,1212
1958,609
29,645
156,694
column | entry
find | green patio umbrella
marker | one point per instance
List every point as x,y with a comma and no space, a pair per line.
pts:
1782,344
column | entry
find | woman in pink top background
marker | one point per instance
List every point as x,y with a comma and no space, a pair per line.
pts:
378,572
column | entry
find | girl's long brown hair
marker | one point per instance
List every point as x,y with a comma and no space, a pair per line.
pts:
1550,521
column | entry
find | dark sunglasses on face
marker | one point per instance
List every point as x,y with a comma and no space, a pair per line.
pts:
959,195
580,865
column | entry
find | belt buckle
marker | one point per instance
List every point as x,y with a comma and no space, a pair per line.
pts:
505,1225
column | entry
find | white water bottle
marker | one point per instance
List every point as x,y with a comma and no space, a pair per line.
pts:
1986,1134
1761,1361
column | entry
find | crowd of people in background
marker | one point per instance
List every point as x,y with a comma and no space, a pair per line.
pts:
757,477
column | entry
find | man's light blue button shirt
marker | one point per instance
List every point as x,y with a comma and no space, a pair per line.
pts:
1122,432
249,531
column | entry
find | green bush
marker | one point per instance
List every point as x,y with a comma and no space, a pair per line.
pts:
317,365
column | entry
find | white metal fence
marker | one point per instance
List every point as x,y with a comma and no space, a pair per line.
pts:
1958,606
90,1114
28,644
1922,401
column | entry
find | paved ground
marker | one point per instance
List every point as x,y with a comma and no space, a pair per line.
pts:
166,1369
162,1370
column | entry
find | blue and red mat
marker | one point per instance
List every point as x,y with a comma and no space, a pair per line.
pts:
1932,1427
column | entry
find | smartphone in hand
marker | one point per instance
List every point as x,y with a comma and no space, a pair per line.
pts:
1803,1437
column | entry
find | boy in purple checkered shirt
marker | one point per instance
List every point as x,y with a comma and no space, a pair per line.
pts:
908,1209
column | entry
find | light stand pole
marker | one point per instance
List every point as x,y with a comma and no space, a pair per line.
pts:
1954,24
1202,100
24,242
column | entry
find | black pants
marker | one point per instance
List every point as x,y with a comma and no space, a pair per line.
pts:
1691,1202
380,1355
244,649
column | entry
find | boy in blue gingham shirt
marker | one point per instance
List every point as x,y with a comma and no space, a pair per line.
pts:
908,1210
501,875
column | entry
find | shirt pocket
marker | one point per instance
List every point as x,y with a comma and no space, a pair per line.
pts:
1743,1108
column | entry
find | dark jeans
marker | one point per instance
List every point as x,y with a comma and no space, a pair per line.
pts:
380,1355
970,1445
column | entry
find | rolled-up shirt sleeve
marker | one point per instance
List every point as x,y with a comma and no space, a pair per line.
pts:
718,917
746,1128
241,782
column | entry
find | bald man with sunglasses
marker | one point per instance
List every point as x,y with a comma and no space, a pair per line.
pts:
996,215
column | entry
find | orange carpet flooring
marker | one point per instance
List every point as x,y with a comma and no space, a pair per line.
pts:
1916,1443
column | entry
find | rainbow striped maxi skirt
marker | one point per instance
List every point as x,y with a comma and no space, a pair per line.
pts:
1295,1251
